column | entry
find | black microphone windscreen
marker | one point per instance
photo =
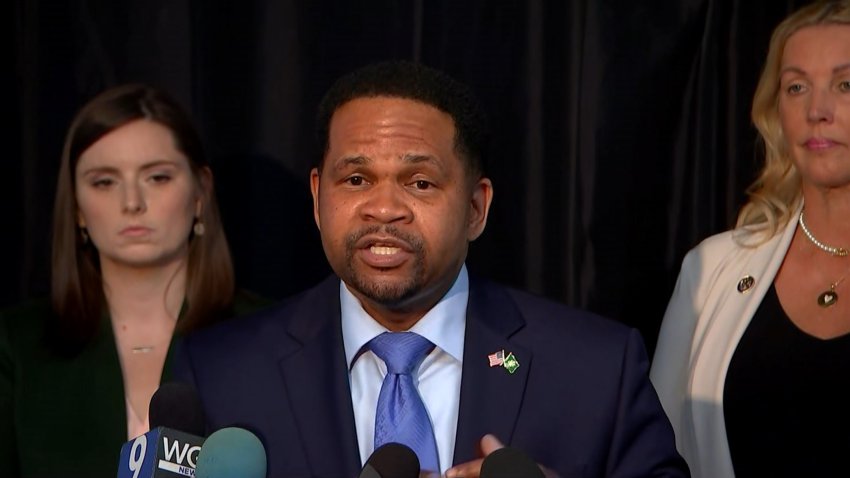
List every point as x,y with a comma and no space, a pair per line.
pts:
177,405
369,472
509,463
393,460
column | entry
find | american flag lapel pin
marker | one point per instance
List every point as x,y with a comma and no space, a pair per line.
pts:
497,359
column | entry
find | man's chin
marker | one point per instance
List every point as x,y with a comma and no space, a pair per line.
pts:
387,292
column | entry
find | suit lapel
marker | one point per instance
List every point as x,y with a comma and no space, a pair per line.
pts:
490,397
316,376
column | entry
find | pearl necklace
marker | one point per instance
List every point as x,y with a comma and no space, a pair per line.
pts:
835,251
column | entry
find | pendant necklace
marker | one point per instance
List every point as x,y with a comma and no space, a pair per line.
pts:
827,298
148,348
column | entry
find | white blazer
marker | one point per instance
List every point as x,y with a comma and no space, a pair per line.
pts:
711,307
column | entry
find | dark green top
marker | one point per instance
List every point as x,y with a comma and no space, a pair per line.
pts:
59,416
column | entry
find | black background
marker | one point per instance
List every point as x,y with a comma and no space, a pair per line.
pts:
621,132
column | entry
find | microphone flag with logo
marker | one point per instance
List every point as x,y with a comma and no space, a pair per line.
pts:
160,453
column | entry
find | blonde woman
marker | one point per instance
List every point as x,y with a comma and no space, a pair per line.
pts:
753,358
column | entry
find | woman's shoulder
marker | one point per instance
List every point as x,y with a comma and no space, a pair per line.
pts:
22,326
26,316
729,254
732,243
712,251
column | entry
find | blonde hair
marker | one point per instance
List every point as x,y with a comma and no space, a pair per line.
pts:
776,192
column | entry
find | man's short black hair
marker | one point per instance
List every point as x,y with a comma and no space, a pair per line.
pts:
409,80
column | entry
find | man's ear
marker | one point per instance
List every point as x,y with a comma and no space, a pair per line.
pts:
314,190
479,207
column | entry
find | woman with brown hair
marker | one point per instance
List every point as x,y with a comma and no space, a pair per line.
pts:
139,258
753,358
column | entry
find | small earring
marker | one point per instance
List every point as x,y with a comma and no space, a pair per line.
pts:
85,235
199,228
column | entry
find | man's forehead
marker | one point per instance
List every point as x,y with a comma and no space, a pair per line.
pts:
375,101
371,120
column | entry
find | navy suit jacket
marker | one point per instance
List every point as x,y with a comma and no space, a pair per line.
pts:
580,402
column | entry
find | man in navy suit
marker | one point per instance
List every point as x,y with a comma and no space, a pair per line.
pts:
398,195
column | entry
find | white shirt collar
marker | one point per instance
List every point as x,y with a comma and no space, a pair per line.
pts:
443,325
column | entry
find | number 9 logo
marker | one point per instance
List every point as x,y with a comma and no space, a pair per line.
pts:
137,454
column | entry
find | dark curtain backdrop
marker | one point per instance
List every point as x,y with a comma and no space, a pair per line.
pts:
621,132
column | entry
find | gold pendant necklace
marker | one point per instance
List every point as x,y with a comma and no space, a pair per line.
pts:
827,298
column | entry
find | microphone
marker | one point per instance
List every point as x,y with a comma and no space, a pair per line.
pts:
509,462
177,405
166,451
391,460
160,453
232,453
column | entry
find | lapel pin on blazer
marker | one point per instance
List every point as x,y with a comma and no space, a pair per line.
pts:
499,359
746,283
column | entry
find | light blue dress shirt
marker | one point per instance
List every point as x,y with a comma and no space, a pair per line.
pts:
438,378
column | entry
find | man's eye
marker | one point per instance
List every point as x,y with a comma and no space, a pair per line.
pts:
160,178
355,180
422,184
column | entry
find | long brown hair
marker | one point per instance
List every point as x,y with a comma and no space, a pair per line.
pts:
777,191
77,291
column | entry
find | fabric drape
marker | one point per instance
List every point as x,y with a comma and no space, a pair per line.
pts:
620,129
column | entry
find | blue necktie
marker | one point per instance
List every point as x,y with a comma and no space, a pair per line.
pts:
401,416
